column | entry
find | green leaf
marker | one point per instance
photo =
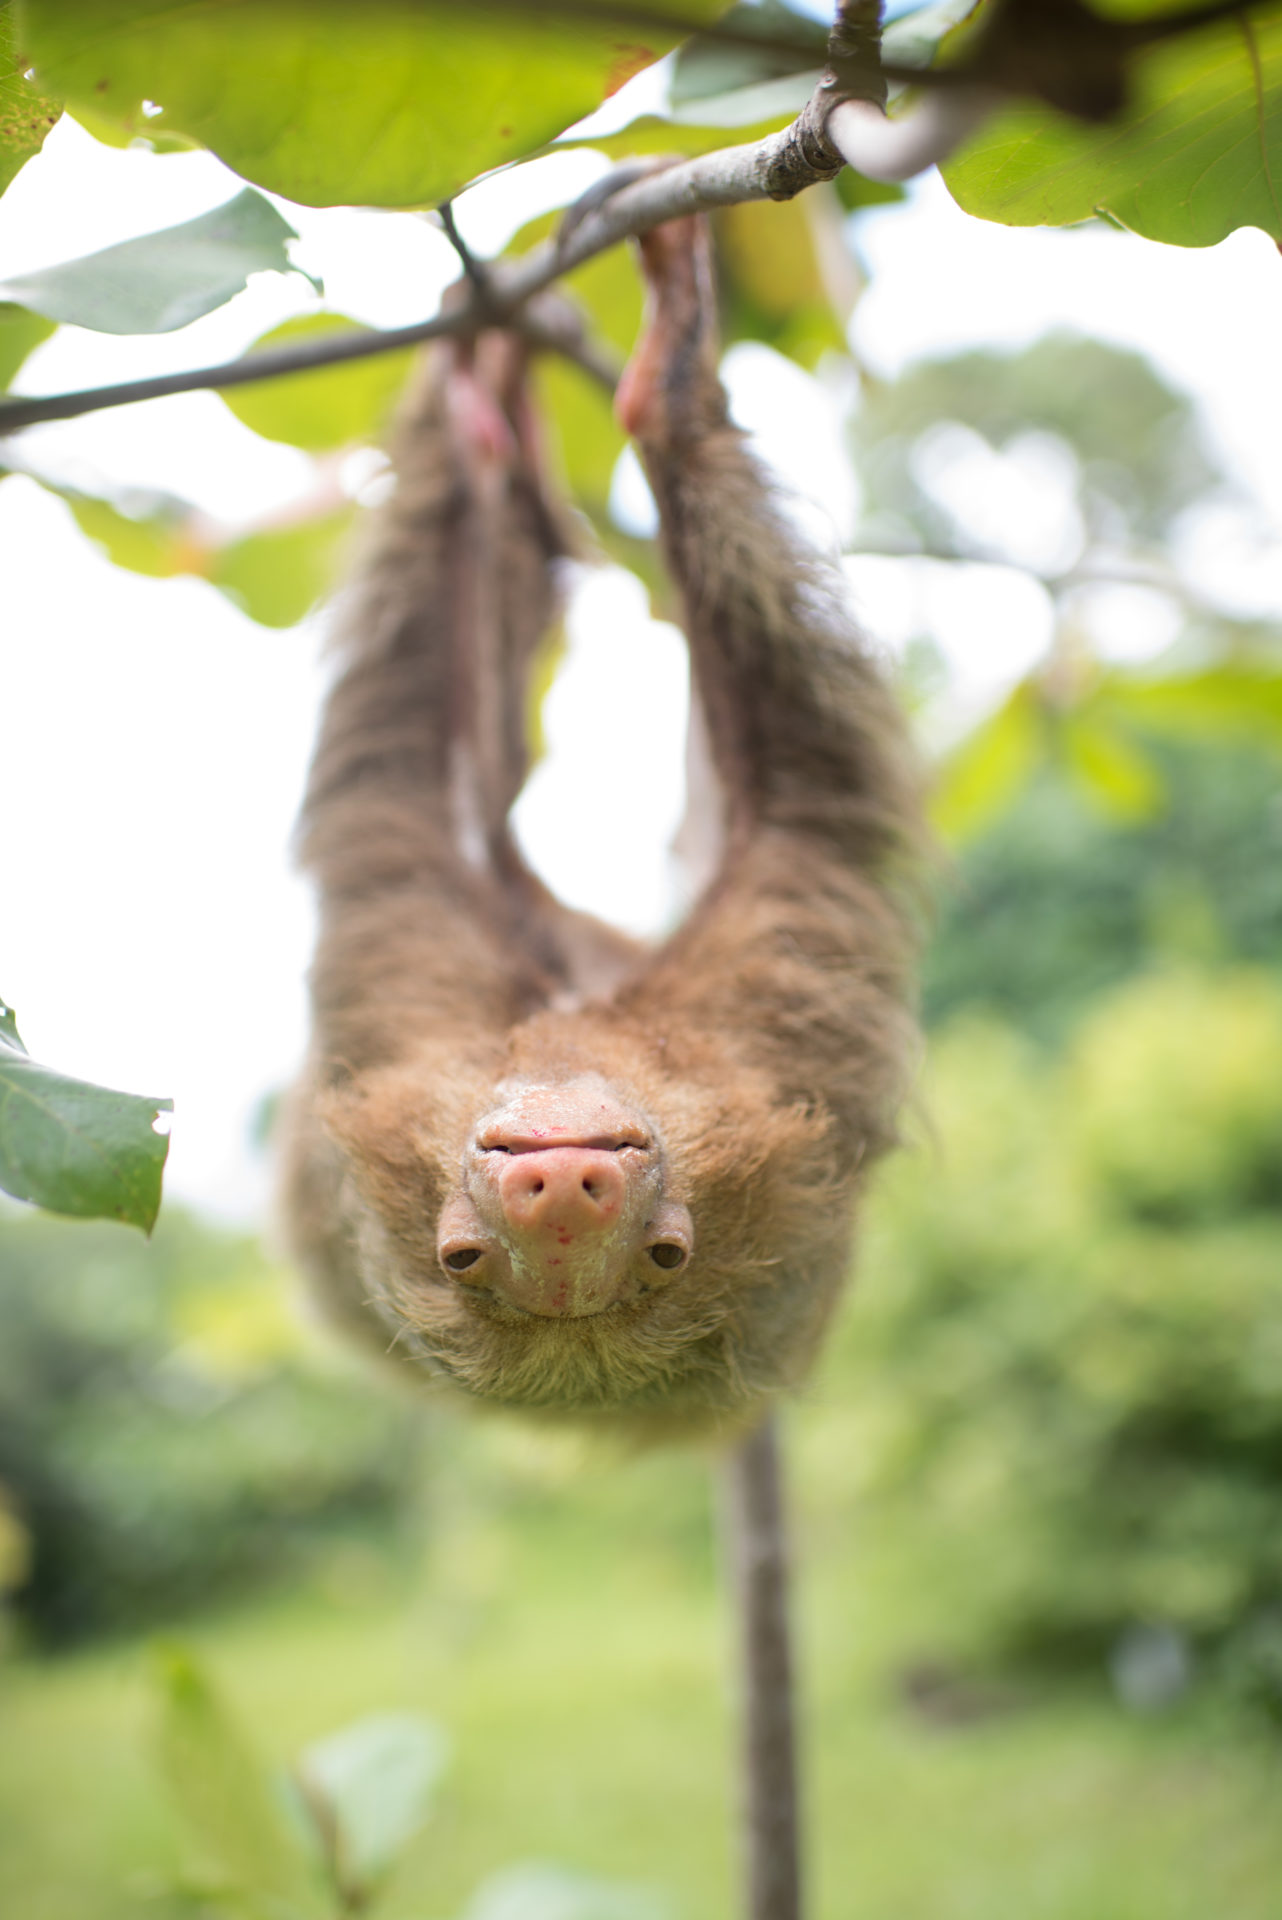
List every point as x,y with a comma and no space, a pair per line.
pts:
855,192
608,286
915,39
581,422
329,408
383,104
20,333
1112,771
25,115
991,766
655,133
275,576
368,1790
224,1792
278,576
75,1148
164,280
1239,701
791,43
772,288
154,538
579,415
109,133
1197,153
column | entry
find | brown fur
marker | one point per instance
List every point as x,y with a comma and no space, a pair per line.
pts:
765,1043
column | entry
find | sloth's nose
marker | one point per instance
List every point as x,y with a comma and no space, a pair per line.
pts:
563,1190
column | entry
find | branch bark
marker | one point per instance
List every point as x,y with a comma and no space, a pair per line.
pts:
842,123
777,167
759,1567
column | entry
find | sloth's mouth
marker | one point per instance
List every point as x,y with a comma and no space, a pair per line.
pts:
490,1305
545,1140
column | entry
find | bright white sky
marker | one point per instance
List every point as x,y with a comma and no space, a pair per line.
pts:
152,935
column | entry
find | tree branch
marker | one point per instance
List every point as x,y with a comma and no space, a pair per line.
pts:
759,1572
842,122
471,266
774,168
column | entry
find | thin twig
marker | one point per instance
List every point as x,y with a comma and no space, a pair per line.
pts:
759,1561
472,267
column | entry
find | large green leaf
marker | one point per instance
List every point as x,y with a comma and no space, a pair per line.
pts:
75,1148
25,115
330,408
164,280
226,1795
1197,153
20,333
385,104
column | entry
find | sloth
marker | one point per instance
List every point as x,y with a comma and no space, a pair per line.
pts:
528,1155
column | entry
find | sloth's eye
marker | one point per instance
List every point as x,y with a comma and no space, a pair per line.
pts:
667,1254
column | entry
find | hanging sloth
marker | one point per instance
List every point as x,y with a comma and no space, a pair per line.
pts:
528,1155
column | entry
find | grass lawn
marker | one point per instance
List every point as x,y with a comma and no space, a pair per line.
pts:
565,1625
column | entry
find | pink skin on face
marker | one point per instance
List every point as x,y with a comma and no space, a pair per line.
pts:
564,1193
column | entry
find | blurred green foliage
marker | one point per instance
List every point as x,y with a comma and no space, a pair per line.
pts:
1071,1350
1137,445
164,1435
1056,902
1074,464
327,1839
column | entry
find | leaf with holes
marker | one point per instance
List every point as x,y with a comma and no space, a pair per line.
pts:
75,1148
384,104
1196,154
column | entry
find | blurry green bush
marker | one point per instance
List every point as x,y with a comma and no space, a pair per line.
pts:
1069,1346
1056,901
164,1433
